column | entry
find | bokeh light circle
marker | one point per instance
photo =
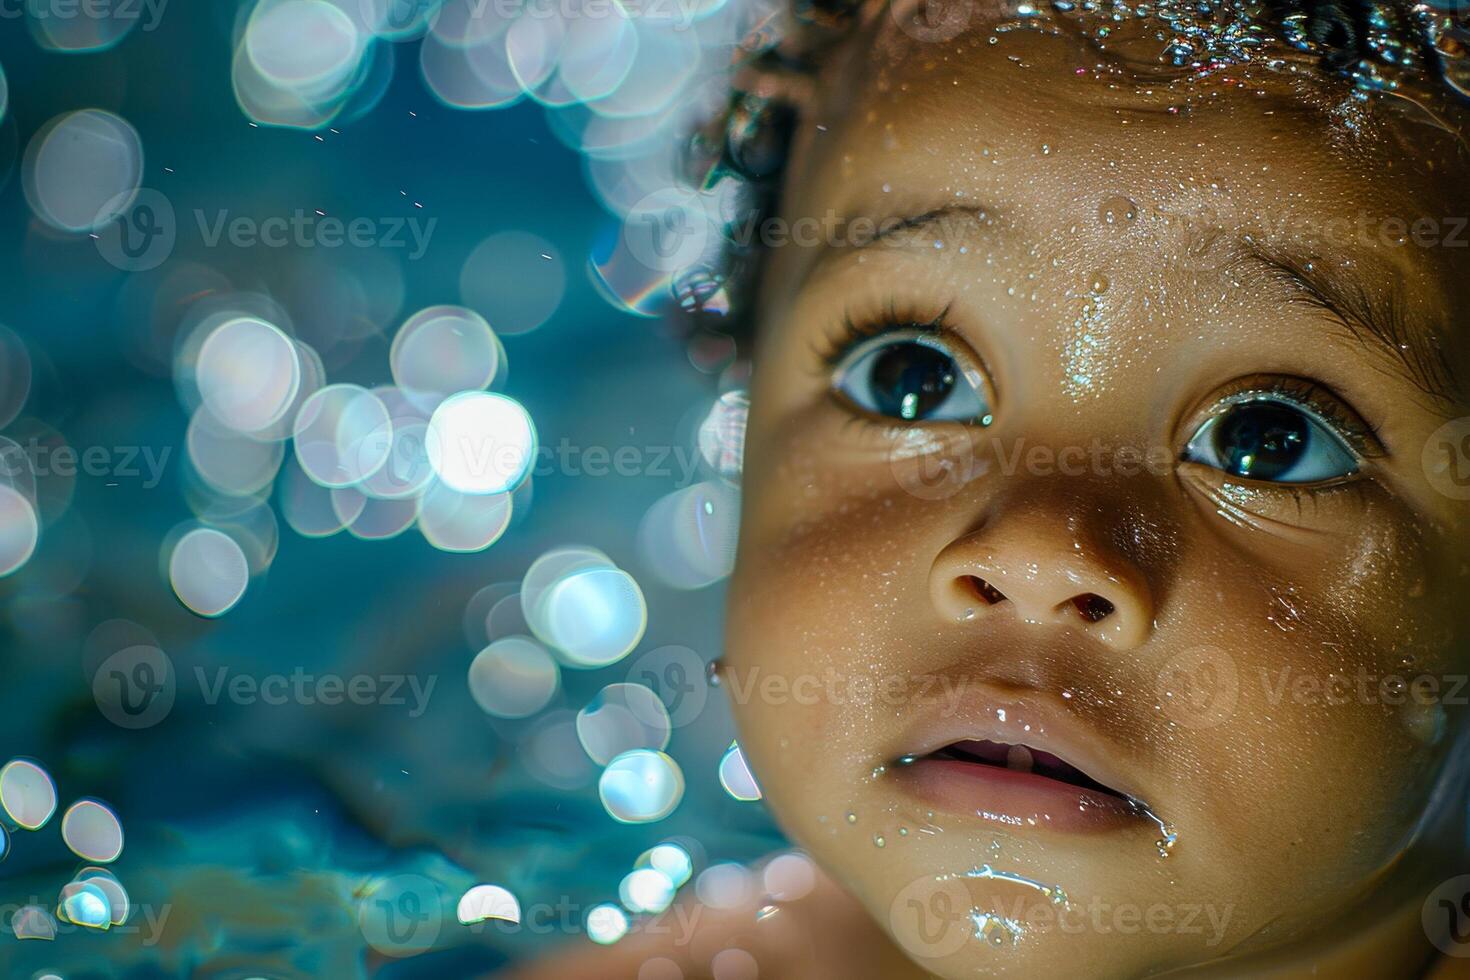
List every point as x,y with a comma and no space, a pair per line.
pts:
736,777
92,831
689,537
15,375
208,572
641,786
443,350
606,924
481,443
82,903
27,793
514,677
483,902
515,279
460,522
81,169
594,616
248,373
620,718
342,435
646,890
20,529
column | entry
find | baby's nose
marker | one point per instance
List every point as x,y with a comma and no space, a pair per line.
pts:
1045,573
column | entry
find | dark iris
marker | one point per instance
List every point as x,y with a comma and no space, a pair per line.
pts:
910,380
1261,440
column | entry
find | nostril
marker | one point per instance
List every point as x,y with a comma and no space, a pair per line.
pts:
1092,607
984,591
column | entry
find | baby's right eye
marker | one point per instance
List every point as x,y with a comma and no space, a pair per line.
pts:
915,376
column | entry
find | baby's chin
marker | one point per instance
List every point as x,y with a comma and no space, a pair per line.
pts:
961,901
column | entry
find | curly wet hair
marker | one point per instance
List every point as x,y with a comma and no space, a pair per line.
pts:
749,143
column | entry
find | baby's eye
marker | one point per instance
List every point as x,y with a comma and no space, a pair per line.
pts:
1274,440
914,376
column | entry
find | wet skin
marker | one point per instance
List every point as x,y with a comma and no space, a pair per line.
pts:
1109,266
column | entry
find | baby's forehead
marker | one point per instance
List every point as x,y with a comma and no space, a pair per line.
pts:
1026,110
1286,168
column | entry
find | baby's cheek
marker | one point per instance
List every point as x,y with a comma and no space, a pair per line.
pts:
1343,655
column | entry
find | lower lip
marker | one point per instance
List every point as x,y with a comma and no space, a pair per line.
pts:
1019,800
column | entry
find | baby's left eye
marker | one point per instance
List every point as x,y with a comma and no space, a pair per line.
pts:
913,376
1274,440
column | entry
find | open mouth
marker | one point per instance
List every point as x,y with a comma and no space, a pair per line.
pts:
1016,785
1023,759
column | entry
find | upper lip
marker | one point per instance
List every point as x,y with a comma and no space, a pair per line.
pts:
1036,719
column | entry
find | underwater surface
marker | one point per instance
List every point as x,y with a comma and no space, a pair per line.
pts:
305,777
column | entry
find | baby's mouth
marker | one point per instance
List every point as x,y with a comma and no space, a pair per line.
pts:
1023,759
1016,785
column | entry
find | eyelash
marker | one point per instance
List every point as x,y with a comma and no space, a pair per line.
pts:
1355,430
854,328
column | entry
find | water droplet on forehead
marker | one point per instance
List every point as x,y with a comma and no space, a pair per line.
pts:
1117,211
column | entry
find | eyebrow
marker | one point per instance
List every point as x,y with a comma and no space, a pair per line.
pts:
1378,320
1381,321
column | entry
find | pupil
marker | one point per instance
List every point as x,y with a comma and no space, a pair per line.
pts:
1261,440
911,380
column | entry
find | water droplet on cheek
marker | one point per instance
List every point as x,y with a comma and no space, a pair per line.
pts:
1117,211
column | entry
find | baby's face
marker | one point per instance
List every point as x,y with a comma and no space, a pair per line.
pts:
1097,511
